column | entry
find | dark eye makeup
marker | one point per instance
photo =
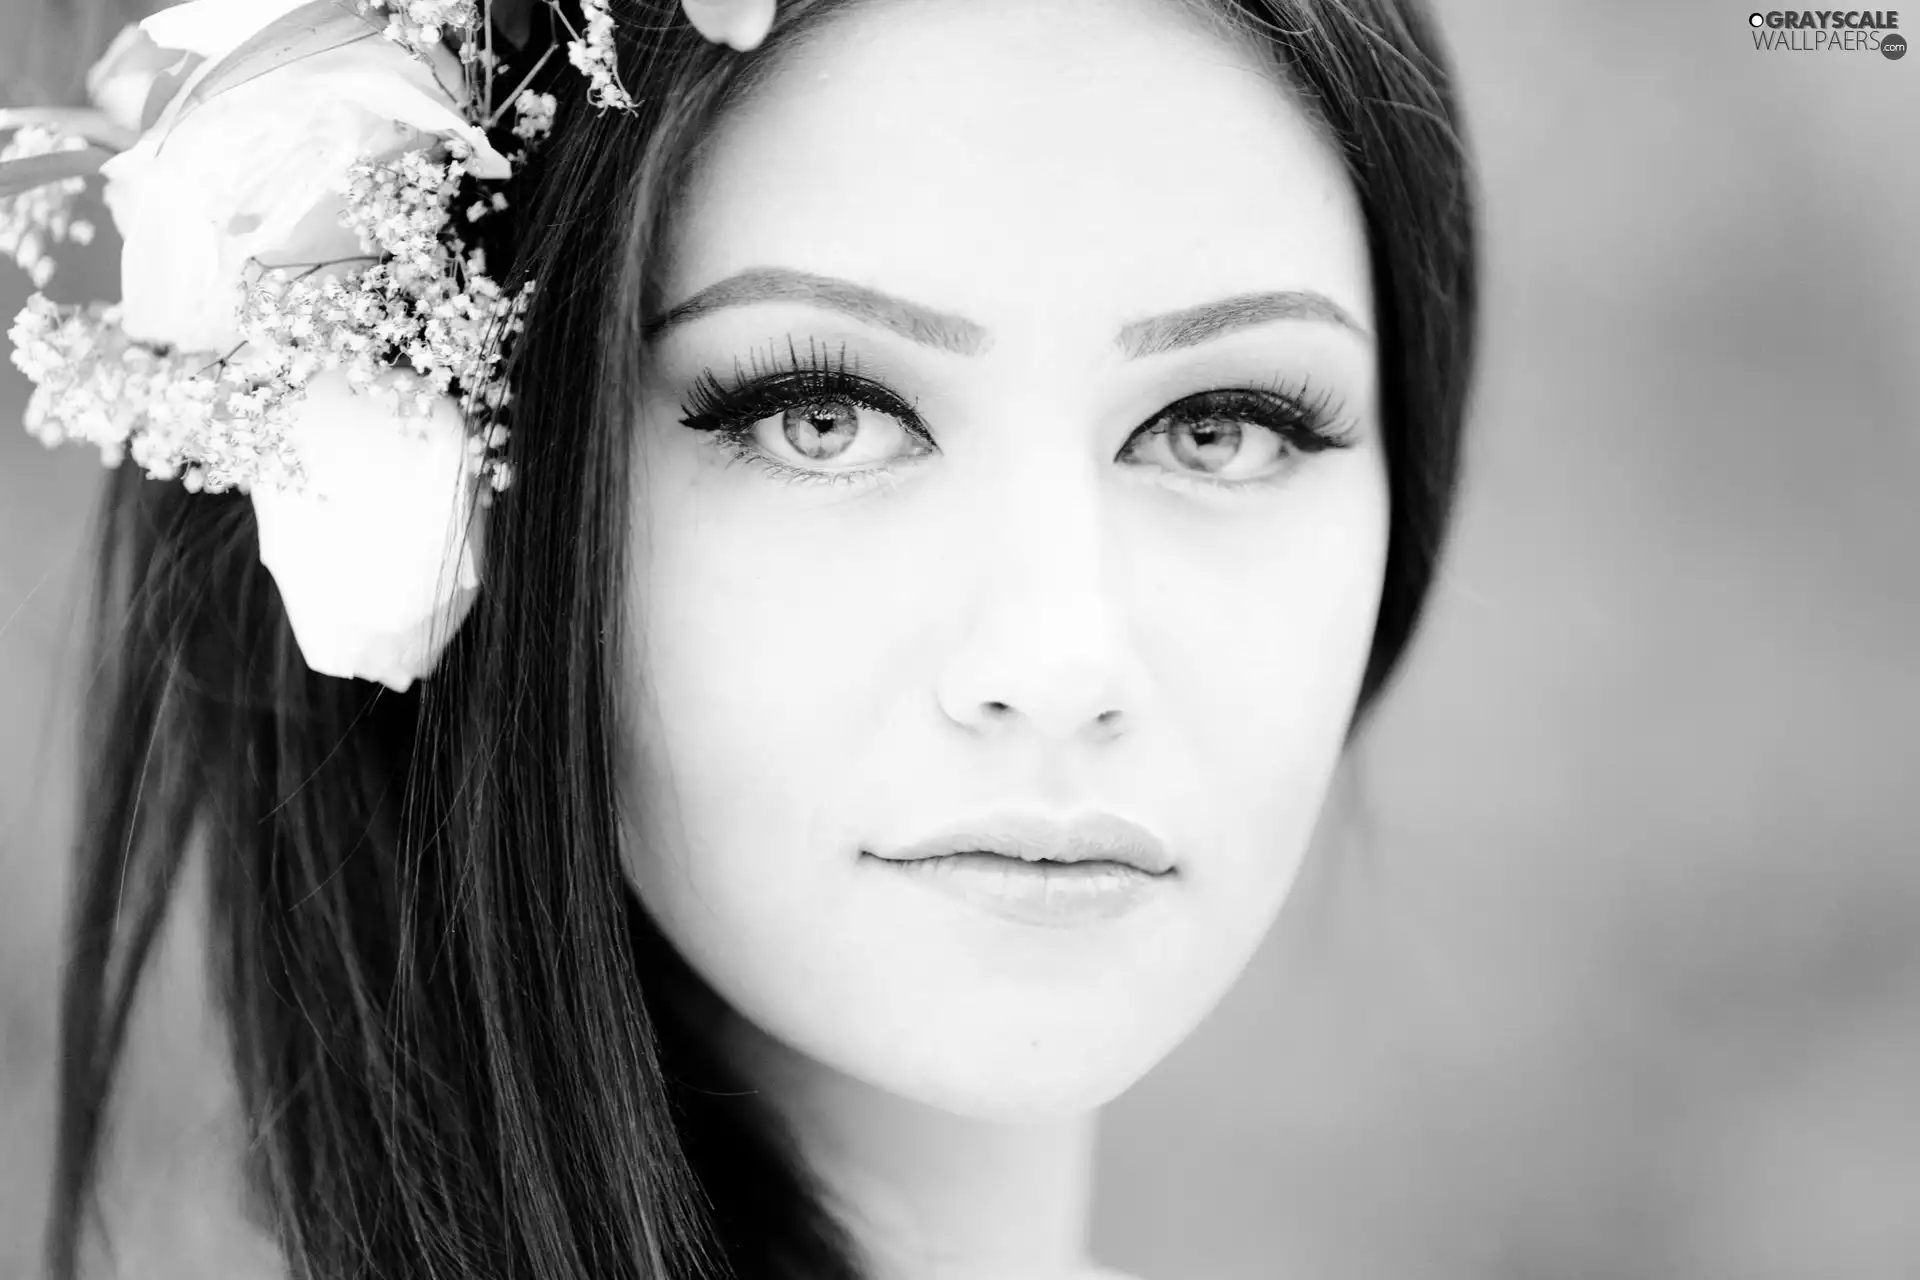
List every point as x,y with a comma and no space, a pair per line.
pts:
1290,420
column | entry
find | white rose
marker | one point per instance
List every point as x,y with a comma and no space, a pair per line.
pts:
176,42
121,82
214,28
258,171
378,558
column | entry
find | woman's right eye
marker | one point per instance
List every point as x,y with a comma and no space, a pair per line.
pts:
810,424
834,434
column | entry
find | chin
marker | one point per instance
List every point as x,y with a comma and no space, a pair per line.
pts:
1015,1091
1013,1066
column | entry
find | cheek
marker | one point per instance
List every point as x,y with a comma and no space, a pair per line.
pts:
1272,634
1258,640
751,706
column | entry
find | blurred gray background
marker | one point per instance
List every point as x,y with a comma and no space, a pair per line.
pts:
1608,964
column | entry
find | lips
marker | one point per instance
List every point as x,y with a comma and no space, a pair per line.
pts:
1092,838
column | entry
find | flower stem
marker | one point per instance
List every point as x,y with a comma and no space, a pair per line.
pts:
525,80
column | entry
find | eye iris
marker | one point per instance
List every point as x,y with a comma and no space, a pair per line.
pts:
1206,444
821,431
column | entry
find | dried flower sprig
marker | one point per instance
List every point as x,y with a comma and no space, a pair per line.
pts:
594,56
217,428
423,24
346,383
34,220
533,115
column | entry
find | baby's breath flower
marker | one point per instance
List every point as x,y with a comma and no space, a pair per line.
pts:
399,207
216,426
533,115
594,56
34,220
421,24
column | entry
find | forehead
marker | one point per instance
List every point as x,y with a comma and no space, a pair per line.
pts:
1049,168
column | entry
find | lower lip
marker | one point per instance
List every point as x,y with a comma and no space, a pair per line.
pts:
1056,894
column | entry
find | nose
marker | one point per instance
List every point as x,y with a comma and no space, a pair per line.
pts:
1045,646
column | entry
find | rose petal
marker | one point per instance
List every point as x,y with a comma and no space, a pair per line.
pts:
120,81
378,560
213,28
173,290
739,24
401,90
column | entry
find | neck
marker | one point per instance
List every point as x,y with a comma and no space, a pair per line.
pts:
928,1194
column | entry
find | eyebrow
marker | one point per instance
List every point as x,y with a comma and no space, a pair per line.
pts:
924,325
1191,326
946,331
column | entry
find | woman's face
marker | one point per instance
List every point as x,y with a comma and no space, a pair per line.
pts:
1010,459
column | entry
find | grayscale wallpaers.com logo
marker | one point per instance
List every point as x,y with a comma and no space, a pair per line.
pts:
1824,30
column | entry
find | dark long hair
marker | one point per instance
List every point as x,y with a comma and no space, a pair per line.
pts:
462,1049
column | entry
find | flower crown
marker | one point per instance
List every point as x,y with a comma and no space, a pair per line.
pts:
305,192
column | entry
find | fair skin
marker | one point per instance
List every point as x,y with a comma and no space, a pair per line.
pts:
1007,582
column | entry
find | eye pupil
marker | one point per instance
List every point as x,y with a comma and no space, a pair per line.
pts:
1206,444
823,430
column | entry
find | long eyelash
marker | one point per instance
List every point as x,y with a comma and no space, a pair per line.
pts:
1307,419
1324,416
780,382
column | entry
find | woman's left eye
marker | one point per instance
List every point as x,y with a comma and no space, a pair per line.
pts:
1233,437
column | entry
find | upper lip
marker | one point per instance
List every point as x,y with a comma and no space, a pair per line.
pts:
1100,837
